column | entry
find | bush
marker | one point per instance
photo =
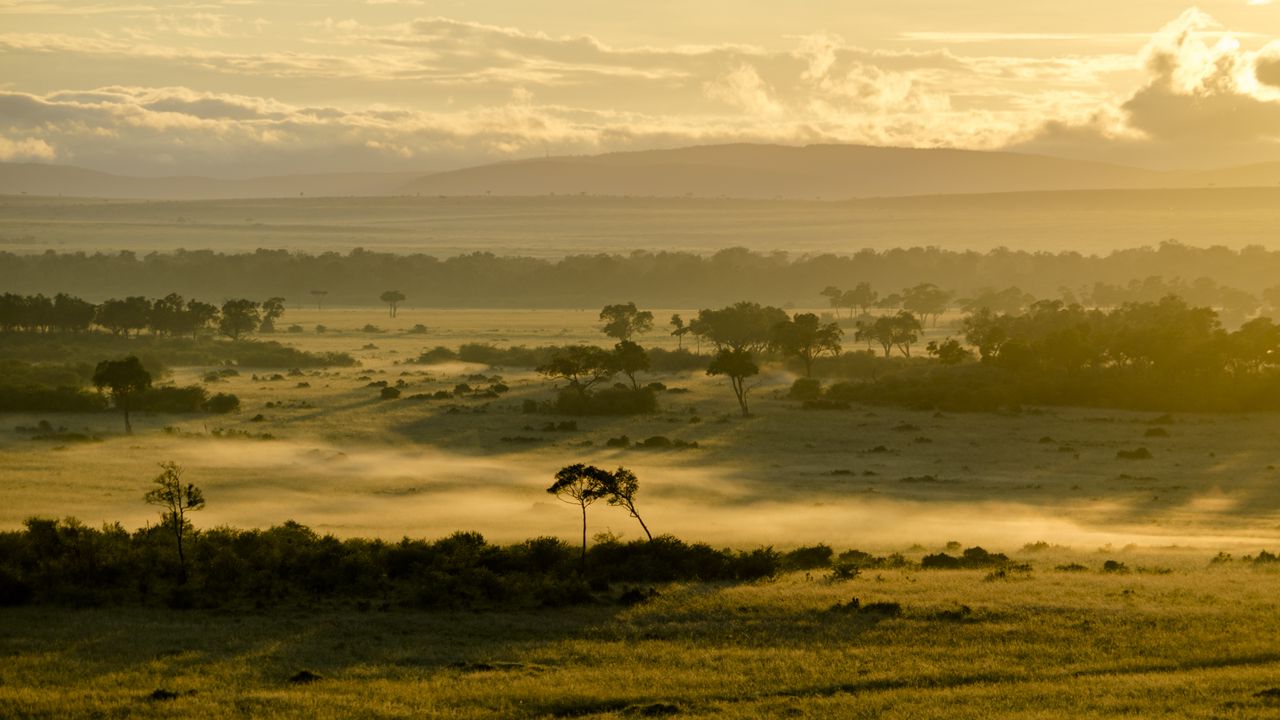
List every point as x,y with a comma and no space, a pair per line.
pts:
222,403
438,354
389,393
39,399
805,389
172,399
808,558
609,401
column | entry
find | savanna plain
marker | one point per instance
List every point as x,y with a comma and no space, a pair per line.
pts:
1128,585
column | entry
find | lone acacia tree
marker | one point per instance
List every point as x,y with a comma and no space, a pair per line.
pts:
580,485
619,489
319,296
175,500
392,298
582,365
272,309
125,379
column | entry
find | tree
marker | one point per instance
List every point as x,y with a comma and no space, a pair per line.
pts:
319,296
737,365
582,365
71,314
805,337
949,351
238,318
198,317
580,485
743,326
121,316
624,321
679,330
392,298
900,331
629,359
272,309
125,379
619,488
861,297
175,500
833,295
166,315
926,300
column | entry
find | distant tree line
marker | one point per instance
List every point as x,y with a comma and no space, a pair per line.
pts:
171,315
1237,281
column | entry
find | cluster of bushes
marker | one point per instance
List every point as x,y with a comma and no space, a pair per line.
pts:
67,563
617,400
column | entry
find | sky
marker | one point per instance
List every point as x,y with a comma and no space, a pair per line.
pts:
235,88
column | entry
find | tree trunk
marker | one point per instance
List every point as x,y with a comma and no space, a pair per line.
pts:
583,558
182,556
643,527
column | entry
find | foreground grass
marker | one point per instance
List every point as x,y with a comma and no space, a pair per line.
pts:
1190,640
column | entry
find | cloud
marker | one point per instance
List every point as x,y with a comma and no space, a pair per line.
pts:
1205,100
25,149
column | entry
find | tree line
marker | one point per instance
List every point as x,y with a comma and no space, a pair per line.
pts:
1236,280
171,315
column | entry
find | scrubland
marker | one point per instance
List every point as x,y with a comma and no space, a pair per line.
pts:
1171,633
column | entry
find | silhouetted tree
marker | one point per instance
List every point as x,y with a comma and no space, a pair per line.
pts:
125,379
239,317
319,296
679,330
272,309
900,330
737,365
580,485
949,351
167,315
121,316
624,321
862,297
71,314
392,298
582,365
629,358
175,500
926,300
806,337
619,488
198,317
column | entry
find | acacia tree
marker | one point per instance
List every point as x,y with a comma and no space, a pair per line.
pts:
392,298
239,317
624,321
175,500
900,330
198,317
582,365
862,297
926,300
805,337
738,332
629,359
71,314
737,365
580,485
619,489
125,379
121,316
319,296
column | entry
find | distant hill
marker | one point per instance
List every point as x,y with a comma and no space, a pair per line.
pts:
66,180
827,172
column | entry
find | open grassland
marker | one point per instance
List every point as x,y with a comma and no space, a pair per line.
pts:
322,448
1175,636
1087,221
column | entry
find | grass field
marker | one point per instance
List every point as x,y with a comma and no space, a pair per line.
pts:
1087,221
1174,636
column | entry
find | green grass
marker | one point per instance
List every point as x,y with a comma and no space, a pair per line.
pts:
1197,642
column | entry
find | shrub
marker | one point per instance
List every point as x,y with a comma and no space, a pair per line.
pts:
389,393
609,401
172,399
808,558
805,389
222,403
